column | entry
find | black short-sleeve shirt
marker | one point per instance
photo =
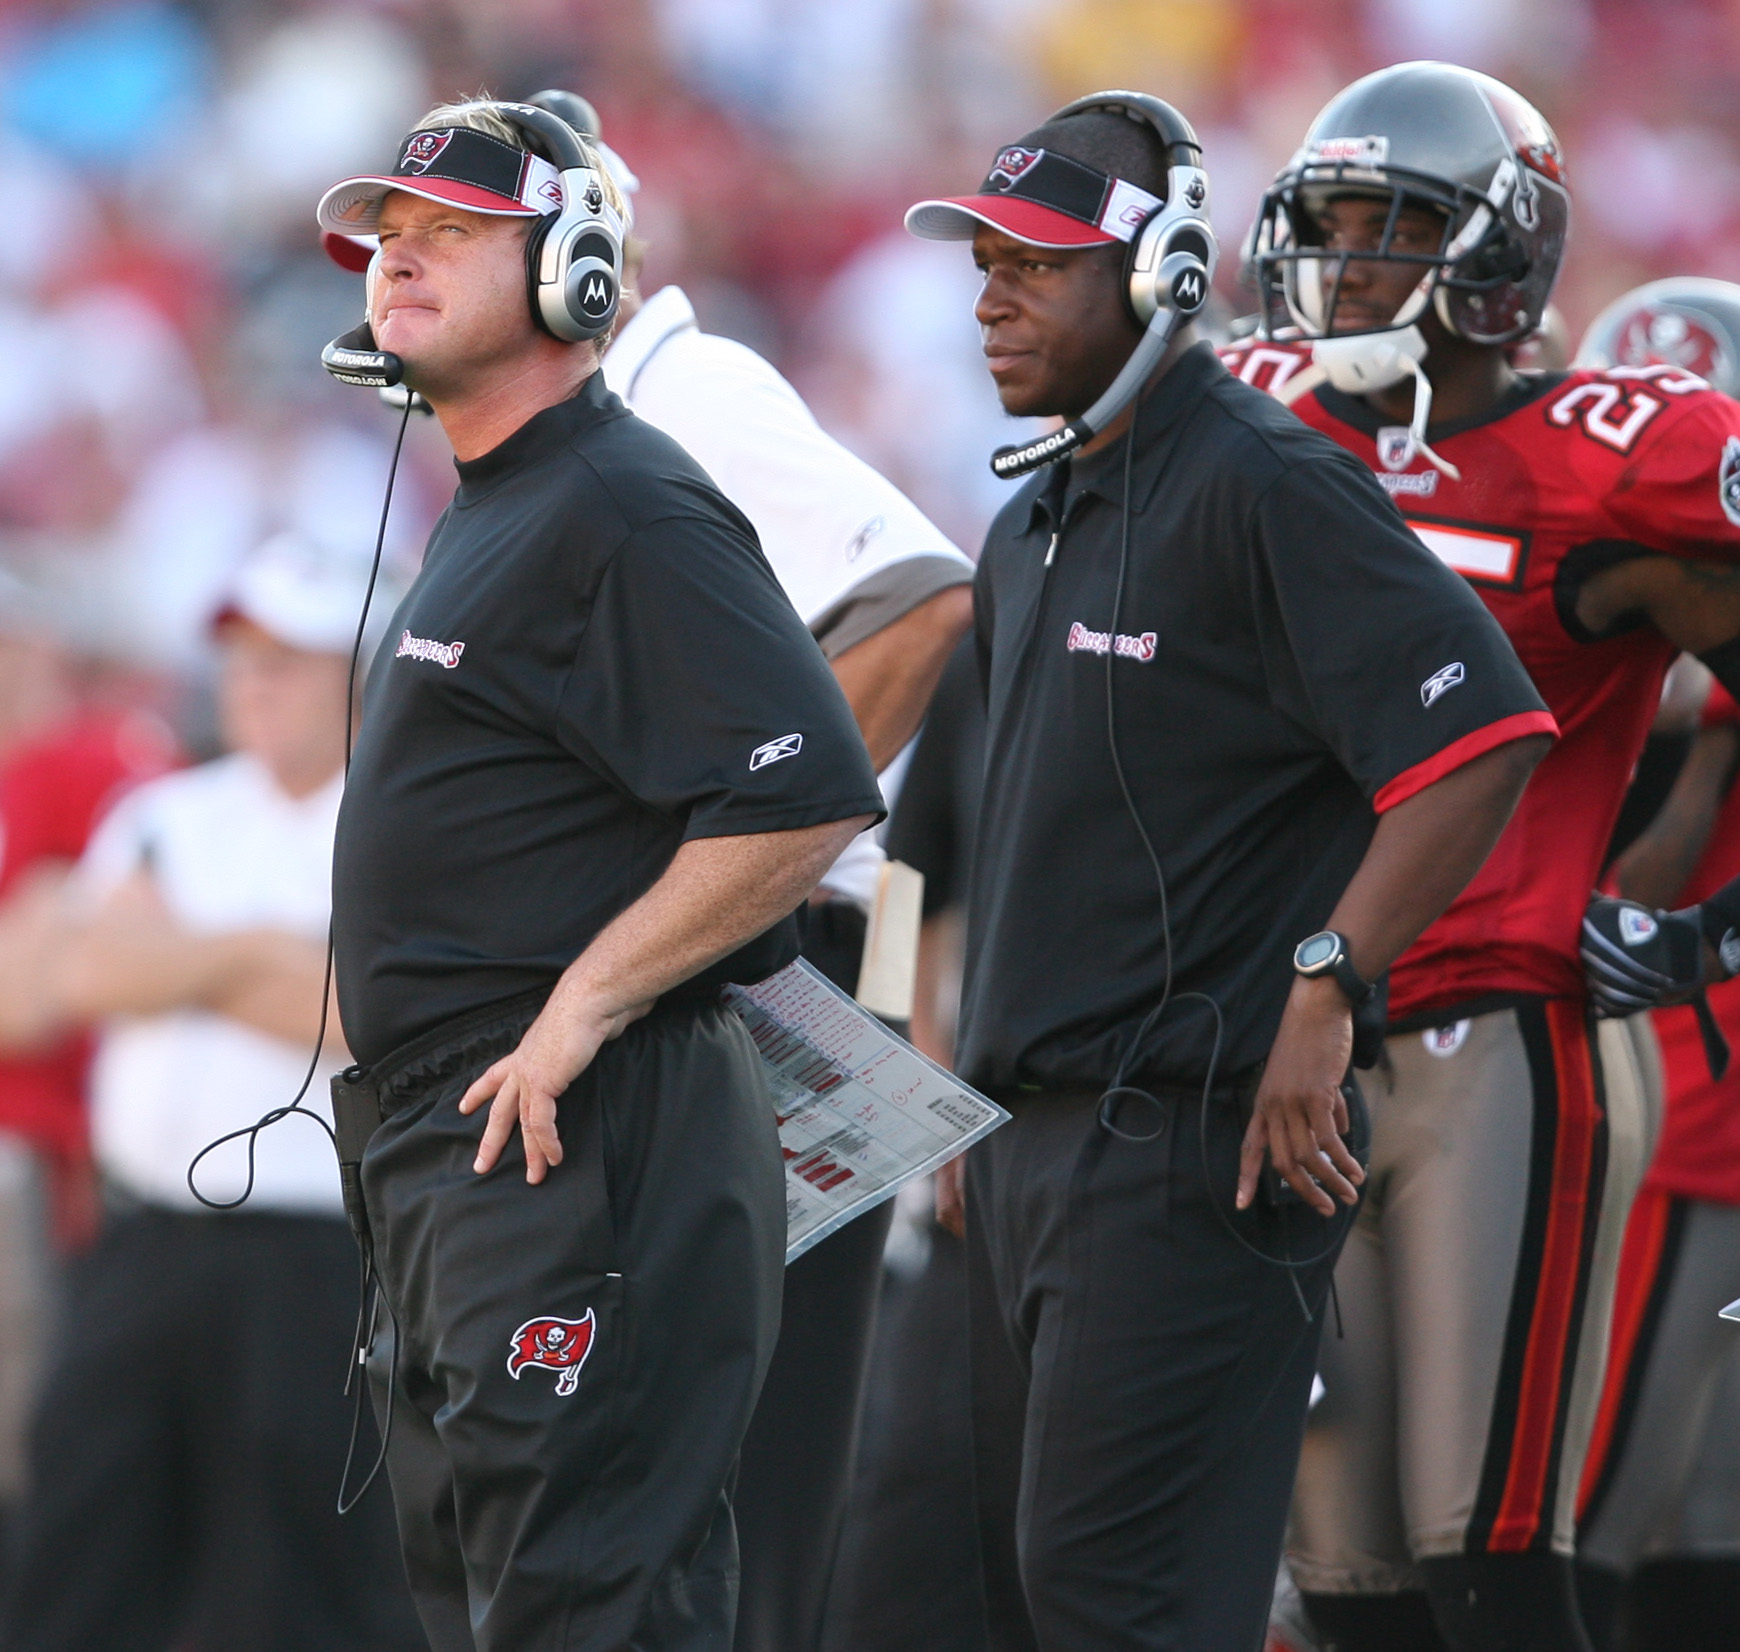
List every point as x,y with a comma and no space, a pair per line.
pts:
595,665
1288,660
936,818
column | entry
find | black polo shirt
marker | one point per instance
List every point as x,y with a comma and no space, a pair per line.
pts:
937,817
595,665
1281,634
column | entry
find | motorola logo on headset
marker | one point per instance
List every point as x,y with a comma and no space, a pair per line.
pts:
597,292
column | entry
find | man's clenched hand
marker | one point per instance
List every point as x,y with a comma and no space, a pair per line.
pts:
1300,1114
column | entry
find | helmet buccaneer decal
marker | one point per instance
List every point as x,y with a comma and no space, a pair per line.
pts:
553,1345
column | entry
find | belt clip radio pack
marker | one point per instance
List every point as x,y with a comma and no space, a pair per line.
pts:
356,1115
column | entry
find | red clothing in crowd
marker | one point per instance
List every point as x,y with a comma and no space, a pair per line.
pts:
53,790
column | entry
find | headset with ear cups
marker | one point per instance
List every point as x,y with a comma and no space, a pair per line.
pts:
1168,271
573,256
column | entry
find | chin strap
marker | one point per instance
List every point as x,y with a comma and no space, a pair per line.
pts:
1359,364
1417,426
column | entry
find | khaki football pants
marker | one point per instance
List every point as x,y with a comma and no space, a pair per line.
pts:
1476,1294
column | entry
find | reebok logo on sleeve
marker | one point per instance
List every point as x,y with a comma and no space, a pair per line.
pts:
1441,682
775,751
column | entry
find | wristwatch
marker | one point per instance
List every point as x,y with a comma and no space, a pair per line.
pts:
1325,953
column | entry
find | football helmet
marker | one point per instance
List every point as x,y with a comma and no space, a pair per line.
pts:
1685,321
1429,135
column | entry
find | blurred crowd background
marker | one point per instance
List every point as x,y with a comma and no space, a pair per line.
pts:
163,299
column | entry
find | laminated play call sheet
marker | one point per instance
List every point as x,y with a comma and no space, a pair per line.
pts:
860,1111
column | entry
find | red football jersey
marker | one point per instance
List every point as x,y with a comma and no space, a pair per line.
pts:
1568,475
53,790
1266,364
1698,1156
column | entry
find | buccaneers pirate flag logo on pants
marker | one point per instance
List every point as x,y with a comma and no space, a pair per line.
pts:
554,1345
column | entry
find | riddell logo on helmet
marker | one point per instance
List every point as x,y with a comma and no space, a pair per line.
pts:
421,149
1372,150
426,648
1012,163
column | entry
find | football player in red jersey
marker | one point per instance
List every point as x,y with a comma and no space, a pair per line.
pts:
1659,1510
1412,240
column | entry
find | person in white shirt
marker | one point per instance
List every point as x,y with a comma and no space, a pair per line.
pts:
887,596
191,1429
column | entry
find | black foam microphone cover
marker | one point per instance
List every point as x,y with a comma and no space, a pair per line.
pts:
352,358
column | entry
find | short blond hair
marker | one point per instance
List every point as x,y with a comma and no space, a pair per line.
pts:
483,114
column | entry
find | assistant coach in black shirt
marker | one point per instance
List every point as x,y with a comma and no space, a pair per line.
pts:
1319,728
601,762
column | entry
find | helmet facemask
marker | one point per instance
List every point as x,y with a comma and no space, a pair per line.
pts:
1488,279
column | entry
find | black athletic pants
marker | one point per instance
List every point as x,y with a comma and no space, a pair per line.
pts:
187,1448
576,1362
1140,1379
797,1459
908,1579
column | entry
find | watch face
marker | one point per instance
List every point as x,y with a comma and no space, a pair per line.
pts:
1315,951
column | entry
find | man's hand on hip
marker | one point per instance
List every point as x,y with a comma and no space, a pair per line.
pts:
717,893
1300,1114
523,1088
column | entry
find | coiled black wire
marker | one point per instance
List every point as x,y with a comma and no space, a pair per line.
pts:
368,1311
1120,1086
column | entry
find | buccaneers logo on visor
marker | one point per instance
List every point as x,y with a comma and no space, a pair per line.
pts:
421,150
1010,165
559,1345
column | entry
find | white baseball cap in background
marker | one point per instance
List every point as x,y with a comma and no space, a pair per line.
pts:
307,594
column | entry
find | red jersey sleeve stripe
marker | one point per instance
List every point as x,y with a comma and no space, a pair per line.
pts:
1458,752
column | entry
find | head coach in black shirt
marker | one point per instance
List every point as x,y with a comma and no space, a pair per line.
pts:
1235,709
601,762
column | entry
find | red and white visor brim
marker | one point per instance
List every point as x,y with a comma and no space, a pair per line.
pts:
958,219
353,206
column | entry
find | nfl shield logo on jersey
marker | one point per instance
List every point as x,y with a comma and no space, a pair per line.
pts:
1730,480
1444,1042
1395,446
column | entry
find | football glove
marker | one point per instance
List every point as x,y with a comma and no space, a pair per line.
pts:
1719,917
1637,959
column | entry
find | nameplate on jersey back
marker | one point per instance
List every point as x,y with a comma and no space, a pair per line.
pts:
1485,554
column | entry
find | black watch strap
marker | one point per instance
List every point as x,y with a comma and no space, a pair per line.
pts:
1357,989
